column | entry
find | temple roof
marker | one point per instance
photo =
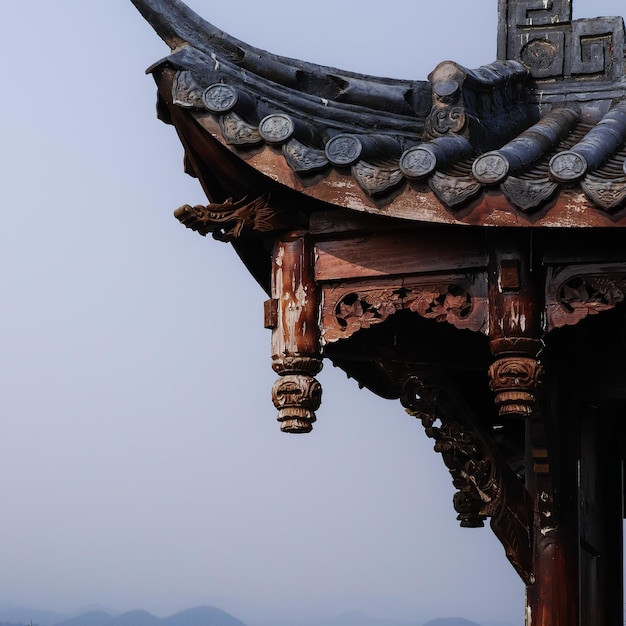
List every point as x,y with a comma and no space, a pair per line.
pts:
536,138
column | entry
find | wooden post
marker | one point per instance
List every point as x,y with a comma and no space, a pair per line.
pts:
515,314
293,315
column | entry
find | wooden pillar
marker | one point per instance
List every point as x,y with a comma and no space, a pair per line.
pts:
578,494
516,304
515,324
553,599
600,518
293,315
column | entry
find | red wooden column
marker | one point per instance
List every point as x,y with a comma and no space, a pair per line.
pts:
515,323
293,315
516,305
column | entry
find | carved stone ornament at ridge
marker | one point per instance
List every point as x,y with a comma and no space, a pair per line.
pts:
230,220
460,301
447,115
543,36
575,293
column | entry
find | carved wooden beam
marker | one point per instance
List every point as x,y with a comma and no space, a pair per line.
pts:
460,300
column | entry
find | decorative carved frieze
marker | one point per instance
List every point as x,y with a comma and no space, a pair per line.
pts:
573,293
458,300
230,220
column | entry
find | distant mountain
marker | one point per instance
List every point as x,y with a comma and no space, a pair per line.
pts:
200,616
354,618
359,619
133,618
91,618
26,616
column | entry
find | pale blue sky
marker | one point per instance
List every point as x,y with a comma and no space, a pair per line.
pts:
140,462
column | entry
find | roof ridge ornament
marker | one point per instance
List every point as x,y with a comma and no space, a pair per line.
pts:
542,35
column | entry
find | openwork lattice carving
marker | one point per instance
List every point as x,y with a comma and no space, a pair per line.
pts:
473,473
575,293
460,301
485,485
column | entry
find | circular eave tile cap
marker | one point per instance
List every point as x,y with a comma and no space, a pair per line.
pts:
277,128
220,98
490,168
344,150
418,162
568,166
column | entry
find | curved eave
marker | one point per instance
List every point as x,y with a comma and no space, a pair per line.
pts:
468,147
181,28
259,167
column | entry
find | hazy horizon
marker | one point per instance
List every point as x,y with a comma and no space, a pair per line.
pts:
141,464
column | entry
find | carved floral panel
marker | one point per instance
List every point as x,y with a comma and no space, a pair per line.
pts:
459,300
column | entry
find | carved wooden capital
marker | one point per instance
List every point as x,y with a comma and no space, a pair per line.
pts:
514,380
458,300
296,397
